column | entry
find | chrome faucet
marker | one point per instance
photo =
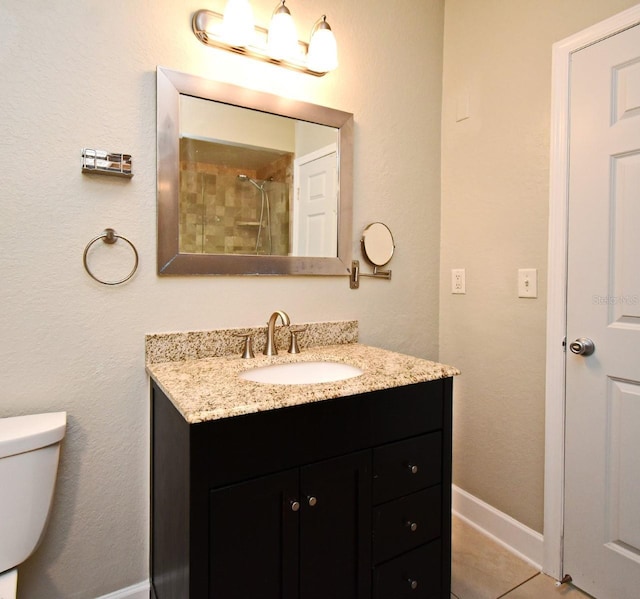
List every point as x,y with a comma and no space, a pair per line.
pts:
270,348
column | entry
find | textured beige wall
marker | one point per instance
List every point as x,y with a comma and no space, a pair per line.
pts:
497,53
82,74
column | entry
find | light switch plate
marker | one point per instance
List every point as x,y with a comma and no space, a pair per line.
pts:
528,282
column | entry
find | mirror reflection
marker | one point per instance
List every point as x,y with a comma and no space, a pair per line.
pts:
255,183
250,182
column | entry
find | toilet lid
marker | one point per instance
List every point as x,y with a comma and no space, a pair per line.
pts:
20,434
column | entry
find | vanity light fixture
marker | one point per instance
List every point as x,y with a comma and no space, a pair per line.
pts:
235,31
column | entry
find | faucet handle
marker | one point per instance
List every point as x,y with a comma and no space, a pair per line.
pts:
294,348
247,351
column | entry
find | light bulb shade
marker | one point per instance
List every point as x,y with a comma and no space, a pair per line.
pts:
237,23
323,49
282,40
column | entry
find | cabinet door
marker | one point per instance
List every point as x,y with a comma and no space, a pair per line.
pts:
253,539
335,528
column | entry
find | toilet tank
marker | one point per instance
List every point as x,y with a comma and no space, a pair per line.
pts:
29,451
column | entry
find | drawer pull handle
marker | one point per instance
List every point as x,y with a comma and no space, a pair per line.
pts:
413,468
295,506
312,500
412,526
413,584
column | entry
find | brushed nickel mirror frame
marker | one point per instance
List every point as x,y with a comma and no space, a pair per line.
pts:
170,84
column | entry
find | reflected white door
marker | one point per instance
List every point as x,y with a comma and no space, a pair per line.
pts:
602,469
315,218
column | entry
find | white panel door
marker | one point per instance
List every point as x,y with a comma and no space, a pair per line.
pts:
602,469
315,231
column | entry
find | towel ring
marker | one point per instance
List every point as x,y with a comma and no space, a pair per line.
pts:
109,236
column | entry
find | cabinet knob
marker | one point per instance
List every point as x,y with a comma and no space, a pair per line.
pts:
312,500
413,468
295,506
413,584
412,526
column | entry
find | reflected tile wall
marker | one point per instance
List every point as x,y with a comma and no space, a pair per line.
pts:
221,214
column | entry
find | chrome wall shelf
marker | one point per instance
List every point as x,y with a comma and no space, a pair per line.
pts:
99,162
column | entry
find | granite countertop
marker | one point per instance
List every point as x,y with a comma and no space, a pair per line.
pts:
210,388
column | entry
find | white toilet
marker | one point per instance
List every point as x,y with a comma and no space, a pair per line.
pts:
29,450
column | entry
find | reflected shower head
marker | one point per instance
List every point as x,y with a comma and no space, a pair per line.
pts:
245,178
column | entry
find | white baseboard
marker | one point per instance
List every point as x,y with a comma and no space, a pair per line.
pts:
514,536
137,591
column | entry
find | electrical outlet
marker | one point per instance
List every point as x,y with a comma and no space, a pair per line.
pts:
458,284
528,282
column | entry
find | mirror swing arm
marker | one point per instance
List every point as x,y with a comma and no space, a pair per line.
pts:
354,280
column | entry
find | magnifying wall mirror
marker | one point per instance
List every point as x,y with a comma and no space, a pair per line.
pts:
378,247
377,244
249,182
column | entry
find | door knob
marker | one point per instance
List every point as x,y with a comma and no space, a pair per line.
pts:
582,346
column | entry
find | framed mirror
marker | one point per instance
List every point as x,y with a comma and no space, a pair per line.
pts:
250,183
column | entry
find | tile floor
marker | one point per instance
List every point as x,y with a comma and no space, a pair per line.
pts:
482,569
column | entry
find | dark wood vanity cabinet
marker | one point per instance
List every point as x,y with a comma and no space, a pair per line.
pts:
339,499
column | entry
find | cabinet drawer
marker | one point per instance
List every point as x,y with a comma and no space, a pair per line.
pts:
415,575
406,523
407,466
415,409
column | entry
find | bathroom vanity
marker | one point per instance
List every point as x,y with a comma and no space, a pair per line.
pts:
320,491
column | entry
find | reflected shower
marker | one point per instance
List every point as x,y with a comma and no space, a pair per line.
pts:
245,178
264,207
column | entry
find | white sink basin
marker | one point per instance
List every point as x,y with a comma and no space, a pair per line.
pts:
301,373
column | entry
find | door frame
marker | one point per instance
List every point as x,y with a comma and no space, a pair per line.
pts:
557,279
